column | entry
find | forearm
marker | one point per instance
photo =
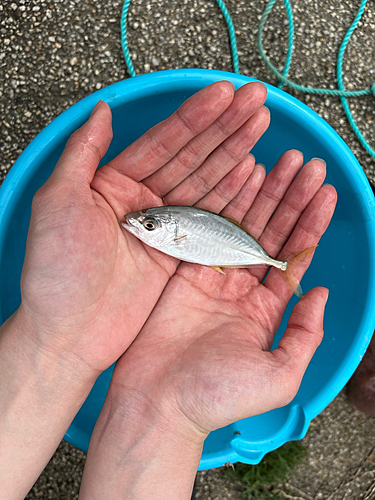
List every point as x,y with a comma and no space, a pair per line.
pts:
136,453
39,396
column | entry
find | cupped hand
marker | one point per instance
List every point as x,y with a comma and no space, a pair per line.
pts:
87,285
207,344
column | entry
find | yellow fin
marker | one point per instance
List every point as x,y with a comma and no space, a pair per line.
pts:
218,269
290,277
240,226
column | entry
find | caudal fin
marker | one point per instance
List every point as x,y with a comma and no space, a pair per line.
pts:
289,273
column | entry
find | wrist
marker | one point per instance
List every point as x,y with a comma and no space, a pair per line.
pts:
143,447
124,405
48,350
39,397
49,379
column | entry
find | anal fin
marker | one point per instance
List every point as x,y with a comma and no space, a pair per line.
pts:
218,269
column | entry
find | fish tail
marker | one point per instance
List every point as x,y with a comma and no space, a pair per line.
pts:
289,273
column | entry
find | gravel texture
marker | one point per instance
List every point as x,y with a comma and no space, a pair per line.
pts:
53,53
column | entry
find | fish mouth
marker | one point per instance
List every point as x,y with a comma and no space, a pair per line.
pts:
129,223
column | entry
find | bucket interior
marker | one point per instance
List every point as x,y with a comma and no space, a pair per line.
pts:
343,261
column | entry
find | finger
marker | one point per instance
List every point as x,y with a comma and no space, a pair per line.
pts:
122,193
86,147
221,161
307,233
163,141
247,100
241,203
272,192
228,187
301,339
296,199
294,202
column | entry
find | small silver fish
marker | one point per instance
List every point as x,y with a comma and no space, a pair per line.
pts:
198,236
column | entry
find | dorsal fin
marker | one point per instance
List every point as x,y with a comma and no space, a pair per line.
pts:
241,227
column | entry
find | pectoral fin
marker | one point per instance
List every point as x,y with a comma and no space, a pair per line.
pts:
179,238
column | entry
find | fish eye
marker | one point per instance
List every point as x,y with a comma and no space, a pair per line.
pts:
150,223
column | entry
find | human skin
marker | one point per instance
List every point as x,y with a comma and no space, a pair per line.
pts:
203,359
87,286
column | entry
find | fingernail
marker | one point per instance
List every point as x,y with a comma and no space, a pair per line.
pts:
264,85
97,107
228,81
226,91
267,108
319,159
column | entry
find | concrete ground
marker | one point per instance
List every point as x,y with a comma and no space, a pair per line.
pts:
53,53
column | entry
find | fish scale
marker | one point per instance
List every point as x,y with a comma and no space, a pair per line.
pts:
211,248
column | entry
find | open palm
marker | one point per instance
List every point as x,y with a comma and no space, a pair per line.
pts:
207,343
89,286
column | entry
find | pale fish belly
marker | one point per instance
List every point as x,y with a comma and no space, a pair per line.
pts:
216,244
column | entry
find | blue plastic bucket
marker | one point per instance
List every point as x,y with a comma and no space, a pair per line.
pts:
344,261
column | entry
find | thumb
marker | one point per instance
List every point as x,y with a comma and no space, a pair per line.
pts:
86,147
304,332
